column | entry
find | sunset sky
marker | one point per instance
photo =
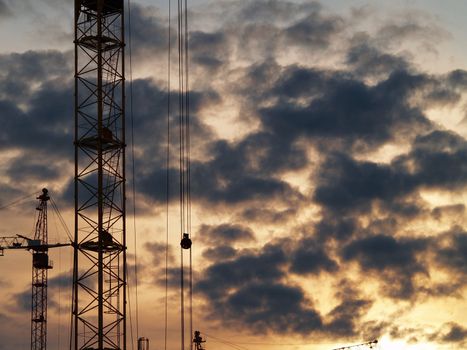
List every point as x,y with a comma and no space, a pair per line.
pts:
328,177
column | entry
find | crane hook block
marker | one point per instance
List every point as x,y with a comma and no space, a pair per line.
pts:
186,241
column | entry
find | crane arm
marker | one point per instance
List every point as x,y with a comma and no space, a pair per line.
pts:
367,345
23,242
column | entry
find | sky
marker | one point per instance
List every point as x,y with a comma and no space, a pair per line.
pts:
328,177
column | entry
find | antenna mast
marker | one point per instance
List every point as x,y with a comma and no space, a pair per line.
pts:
99,264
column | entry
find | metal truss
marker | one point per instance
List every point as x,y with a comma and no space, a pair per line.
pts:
99,269
40,267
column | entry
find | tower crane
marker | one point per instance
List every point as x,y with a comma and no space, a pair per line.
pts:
40,266
368,345
99,242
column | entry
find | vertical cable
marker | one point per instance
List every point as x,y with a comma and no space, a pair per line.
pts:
188,165
167,180
131,318
181,166
133,170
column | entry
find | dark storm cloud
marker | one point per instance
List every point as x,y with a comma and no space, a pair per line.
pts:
234,175
311,258
347,110
149,32
261,308
458,78
345,318
345,184
37,103
435,161
313,31
4,9
218,278
455,334
21,72
438,159
247,291
225,234
381,252
369,61
209,50
395,262
340,228
452,253
33,170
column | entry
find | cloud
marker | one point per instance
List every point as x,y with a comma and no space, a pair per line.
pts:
158,253
4,9
345,112
247,292
225,234
266,215
456,334
311,105
452,251
310,258
345,317
395,262
367,60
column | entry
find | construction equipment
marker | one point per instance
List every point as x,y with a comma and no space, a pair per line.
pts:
99,263
40,266
368,345
198,341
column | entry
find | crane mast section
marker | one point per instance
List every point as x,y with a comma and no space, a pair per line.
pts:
99,273
40,267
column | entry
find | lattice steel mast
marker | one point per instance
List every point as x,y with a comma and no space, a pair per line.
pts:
99,268
40,267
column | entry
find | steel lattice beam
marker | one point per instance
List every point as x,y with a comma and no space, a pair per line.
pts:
99,273
40,267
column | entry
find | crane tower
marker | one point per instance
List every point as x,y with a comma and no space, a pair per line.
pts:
99,266
40,267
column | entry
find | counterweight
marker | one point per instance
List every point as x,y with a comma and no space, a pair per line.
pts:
99,267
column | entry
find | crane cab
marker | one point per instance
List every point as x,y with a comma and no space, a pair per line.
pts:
109,6
41,261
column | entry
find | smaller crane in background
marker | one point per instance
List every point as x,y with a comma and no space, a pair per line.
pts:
198,341
40,265
368,345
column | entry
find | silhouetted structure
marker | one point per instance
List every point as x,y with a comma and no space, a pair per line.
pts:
198,341
40,266
367,345
99,266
